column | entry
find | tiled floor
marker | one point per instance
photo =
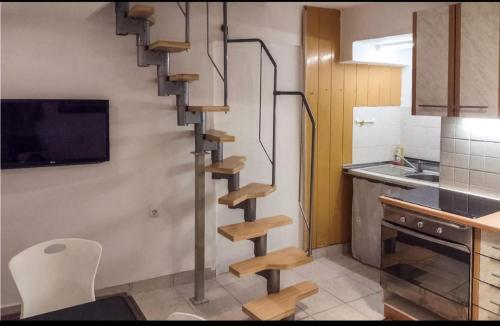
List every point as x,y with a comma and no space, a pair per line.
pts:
349,290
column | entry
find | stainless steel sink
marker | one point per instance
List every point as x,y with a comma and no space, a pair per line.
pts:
424,177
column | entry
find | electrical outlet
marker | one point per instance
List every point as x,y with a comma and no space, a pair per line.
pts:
154,212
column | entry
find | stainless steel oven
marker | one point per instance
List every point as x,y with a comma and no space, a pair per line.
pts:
427,261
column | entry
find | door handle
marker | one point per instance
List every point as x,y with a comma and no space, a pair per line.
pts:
494,302
495,247
495,275
432,106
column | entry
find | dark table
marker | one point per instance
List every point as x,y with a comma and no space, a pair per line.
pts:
117,307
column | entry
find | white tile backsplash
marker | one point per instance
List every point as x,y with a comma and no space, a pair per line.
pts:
470,155
420,135
394,126
377,141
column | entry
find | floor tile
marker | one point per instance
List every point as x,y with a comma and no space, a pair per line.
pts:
226,278
318,272
220,304
160,303
234,314
152,284
187,290
346,289
372,306
247,289
289,277
369,277
300,314
344,262
343,312
319,302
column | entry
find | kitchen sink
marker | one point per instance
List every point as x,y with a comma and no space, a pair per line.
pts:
424,177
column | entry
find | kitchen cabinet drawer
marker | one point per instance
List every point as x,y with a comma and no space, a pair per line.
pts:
487,244
487,269
479,313
486,296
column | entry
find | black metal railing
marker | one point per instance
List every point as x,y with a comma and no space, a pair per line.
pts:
276,93
263,46
185,12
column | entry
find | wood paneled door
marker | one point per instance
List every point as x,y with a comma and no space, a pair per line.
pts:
332,90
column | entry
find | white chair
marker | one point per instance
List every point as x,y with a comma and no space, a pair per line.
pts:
55,274
183,316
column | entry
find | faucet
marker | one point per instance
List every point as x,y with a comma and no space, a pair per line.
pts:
420,165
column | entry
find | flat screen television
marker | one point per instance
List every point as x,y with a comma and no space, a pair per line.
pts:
54,132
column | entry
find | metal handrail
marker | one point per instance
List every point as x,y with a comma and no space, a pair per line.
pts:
312,173
277,93
275,68
185,12
208,48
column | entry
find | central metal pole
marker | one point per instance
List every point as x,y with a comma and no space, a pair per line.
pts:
199,225
225,36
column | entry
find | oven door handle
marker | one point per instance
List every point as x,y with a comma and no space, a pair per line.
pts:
425,237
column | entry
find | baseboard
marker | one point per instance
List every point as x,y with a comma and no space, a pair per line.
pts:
166,281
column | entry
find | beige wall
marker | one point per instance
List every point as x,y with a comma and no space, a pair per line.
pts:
377,20
64,51
54,51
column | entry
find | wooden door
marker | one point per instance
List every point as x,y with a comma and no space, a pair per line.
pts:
332,90
433,57
477,63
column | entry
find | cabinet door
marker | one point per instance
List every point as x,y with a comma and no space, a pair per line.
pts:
431,65
476,91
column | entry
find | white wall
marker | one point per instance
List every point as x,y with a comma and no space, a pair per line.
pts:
377,20
55,51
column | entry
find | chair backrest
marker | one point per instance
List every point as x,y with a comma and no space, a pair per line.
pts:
55,274
183,316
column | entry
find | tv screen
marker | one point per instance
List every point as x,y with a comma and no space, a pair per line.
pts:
54,132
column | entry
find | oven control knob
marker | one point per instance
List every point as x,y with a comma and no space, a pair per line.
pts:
420,225
439,230
402,219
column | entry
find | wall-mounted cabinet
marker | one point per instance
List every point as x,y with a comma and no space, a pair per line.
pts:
456,61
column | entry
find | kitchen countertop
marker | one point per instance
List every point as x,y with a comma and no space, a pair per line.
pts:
463,208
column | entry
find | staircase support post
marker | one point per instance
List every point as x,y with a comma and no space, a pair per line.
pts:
199,228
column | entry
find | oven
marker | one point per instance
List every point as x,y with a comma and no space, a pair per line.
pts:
427,261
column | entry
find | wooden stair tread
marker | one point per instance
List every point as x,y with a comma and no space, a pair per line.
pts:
205,108
279,305
250,230
230,165
281,259
141,11
184,77
252,190
218,136
169,46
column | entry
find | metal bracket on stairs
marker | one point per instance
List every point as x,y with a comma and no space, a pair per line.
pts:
272,276
179,89
250,209
233,180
